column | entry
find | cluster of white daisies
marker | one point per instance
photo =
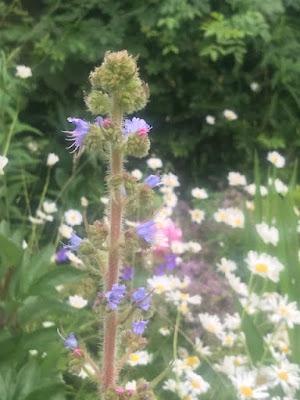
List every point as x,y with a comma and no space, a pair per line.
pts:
234,216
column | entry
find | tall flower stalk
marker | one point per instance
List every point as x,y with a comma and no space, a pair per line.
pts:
116,92
114,256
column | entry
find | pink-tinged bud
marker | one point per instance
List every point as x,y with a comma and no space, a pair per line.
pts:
77,352
142,132
120,390
106,123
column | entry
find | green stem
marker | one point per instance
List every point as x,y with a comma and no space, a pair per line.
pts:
251,283
10,134
175,337
42,198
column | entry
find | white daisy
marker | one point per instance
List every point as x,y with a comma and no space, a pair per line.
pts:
255,87
211,323
139,358
23,72
236,179
247,387
170,180
280,187
287,375
264,265
197,215
194,247
52,159
164,331
237,285
73,217
137,174
154,163
84,201
77,301
230,115
281,310
276,159
65,231
226,265
269,234
199,193
210,120
49,207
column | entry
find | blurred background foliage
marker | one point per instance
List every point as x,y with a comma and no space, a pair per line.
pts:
198,56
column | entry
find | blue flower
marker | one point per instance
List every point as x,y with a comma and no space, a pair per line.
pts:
160,270
170,261
136,126
127,273
61,256
141,298
152,181
71,342
78,135
115,296
146,231
74,242
139,327
168,265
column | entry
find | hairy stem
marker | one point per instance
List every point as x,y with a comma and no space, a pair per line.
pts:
114,257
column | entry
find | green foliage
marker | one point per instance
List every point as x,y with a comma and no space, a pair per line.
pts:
27,298
198,56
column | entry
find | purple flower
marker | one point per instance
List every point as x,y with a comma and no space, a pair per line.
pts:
146,231
170,261
136,125
61,256
115,296
103,122
74,242
127,273
71,342
160,270
141,298
77,136
139,327
168,265
152,181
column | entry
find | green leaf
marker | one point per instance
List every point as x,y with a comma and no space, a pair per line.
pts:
10,251
254,339
35,307
34,267
58,276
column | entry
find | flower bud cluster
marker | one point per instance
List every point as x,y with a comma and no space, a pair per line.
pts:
118,77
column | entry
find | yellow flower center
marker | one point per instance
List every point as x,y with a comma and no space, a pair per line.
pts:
228,340
285,349
246,391
134,357
192,361
196,384
210,327
222,216
183,308
261,268
283,311
283,376
184,296
238,221
160,288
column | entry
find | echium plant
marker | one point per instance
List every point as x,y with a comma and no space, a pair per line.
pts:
107,252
